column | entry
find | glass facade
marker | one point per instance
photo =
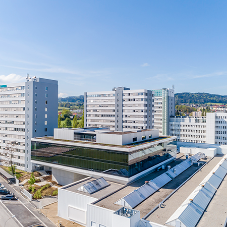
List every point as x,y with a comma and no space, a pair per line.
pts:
100,160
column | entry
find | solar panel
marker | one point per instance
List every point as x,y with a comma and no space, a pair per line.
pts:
224,164
220,172
161,180
94,185
215,181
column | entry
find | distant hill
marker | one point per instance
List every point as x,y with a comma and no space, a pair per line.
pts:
76,99
199,98
180,98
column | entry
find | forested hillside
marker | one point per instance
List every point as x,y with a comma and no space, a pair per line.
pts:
199,98
76,99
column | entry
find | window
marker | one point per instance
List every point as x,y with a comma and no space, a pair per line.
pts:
93,224
35,130
134,139
46,88
46,95
45,108
45,102
36,94
45,115
35,87
143,137
35,101
45,129
35,108
45,122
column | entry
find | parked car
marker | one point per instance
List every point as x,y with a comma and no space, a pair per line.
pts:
8,197
4,191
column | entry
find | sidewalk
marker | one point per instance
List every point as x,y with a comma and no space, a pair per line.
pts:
51,212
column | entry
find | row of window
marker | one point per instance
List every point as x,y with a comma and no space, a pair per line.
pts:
12,88
13,95
13,102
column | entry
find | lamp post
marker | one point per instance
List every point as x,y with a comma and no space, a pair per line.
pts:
13,216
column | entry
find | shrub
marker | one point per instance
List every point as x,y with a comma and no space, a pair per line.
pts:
45,186
32,179
30,188
37,194
55,193
33,189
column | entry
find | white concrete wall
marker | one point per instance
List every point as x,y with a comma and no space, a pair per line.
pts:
127,138
65,177
64,133
210,128
210,152
68,199
99,215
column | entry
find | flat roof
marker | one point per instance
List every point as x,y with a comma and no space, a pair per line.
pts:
161,215
98,194
109,202
216,212
125,148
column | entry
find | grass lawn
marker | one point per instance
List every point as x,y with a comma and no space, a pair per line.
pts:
19,173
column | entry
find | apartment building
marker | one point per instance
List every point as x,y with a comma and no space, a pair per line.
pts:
26,109
211,129
189,129
164,108
123,109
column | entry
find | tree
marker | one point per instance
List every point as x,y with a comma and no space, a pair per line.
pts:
81,124
68,122
75,122
59,121
66,114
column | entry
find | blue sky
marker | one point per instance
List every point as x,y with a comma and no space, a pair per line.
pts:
95,45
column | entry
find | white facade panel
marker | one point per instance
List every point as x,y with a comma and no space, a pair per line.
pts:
99,216
77,215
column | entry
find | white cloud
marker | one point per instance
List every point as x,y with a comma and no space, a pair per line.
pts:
62,95
161,77
11,78
145,64
210,75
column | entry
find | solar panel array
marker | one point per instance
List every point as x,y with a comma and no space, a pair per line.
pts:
94,186
139,195
191,210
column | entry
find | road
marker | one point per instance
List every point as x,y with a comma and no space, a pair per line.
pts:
5,218
26,214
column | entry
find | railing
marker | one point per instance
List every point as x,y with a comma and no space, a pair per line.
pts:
27,194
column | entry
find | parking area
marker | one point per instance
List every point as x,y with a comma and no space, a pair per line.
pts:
25,213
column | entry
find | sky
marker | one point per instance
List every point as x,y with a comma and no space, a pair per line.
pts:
95,45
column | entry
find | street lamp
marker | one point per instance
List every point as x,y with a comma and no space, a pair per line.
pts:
13,216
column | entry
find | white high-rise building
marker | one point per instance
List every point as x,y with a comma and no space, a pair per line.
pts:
164,108
123,109
27,110
211,129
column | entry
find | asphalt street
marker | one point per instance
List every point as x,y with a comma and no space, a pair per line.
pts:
26,214
6,219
